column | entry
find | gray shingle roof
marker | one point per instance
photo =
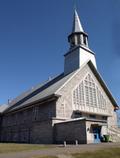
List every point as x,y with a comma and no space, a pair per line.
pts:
3,107
26,93
39,92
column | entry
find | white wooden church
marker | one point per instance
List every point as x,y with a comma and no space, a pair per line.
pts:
75,105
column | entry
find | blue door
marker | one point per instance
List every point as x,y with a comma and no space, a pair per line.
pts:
96,133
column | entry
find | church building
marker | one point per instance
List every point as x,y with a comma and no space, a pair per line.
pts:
74,106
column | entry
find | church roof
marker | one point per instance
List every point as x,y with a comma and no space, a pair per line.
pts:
50,88
3,107
77,27
40,92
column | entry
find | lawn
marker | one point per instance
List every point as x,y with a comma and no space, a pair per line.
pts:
11,147
45,157
108,153
103,153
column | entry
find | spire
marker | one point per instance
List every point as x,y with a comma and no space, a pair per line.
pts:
78,36
77,27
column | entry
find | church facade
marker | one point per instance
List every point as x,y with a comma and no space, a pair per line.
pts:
75,105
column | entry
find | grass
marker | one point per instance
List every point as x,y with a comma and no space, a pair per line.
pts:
12,147
103,153
106,153
45,157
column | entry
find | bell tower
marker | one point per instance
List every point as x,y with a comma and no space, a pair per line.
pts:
79,51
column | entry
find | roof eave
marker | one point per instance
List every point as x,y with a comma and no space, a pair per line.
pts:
103,84
43,100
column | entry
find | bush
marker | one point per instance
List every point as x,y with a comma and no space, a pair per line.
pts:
106,138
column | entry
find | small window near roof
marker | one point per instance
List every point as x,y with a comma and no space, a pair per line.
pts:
104,117
92,116
77,114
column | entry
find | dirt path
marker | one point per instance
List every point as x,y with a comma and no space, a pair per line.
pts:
60,150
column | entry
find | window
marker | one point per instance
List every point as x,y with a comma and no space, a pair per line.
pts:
104,117
72,41
92,116
78,39
78,96
77,114
101,100
90,91
87,93
84,40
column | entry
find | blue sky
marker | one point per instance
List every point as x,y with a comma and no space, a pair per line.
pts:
33,39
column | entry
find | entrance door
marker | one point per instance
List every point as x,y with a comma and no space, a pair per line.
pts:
96,133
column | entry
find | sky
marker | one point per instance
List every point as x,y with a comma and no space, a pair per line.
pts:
33,40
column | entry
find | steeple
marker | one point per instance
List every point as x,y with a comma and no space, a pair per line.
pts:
79,52
77,27
78,36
